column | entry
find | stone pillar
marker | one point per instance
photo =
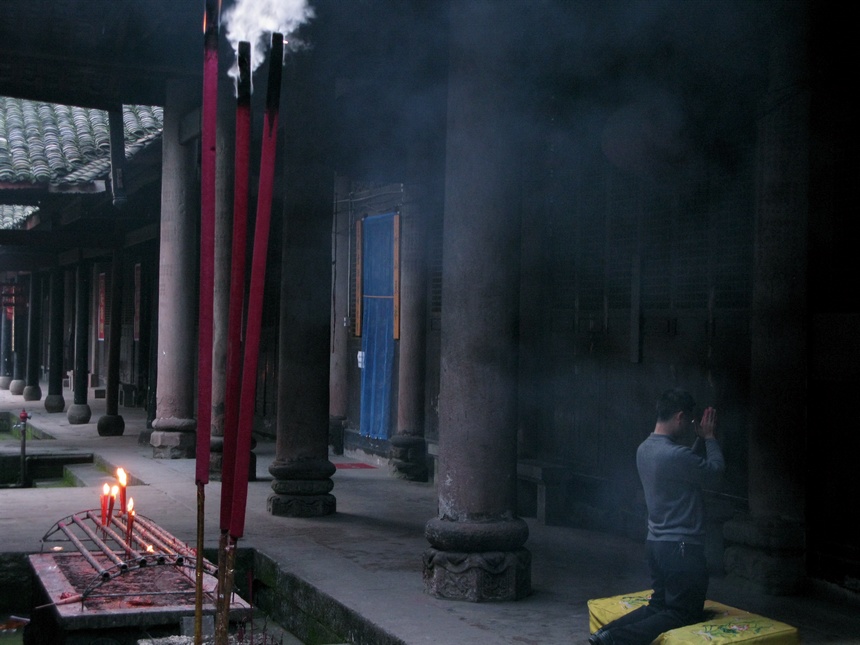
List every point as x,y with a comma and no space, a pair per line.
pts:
477,540
54,401
111,424
19,341
408,448
80,412
224,183
96,345
766,549
301,468
33,390
174,424
5,346
339,358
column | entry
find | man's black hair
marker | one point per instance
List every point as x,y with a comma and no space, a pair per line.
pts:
675,400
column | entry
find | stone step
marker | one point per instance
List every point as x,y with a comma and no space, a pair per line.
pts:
88,475
51,483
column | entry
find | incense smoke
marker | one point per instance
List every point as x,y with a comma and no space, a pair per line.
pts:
255,20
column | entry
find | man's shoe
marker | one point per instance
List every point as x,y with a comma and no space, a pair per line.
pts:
600,637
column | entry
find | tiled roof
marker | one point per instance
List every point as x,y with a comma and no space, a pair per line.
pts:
49,145
63,145
11,216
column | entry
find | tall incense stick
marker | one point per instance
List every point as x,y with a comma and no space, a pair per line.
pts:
237,280
234,335
208,126
209,121
258,277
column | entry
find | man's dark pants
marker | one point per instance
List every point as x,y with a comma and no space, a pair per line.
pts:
679,578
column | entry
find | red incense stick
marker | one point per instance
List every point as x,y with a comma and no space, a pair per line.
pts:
209,121
258,276
237,280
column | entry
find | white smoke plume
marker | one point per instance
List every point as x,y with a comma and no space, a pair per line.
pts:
256,20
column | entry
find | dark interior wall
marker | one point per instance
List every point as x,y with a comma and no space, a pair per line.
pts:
636,128
638,202
389,62
638,222
833,417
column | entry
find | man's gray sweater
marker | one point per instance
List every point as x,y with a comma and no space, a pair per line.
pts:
672,476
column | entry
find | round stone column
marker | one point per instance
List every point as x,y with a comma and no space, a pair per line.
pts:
80,412
33,390
339,356
19,341
174,424
111,424
408,448
5,348
301,468
477,551
54,401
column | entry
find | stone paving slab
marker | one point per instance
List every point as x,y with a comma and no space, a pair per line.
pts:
366,559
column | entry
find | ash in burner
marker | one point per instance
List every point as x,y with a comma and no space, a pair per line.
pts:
150,586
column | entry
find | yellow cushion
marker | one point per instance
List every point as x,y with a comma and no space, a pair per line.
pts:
722,624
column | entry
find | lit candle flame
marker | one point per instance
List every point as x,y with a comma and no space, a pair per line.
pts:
106,490
149,549
130,504
120,475
114,490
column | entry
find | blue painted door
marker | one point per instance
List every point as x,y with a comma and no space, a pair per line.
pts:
378,282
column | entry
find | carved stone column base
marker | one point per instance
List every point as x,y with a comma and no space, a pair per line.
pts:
301,505
79,413
478,577
173,445
17,386
55,403
302,488
32,393
767,555
5,381
408,458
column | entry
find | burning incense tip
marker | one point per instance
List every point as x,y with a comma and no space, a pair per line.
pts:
255,20
123,480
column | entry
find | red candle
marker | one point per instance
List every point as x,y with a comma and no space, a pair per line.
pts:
120,475
104,500
114,491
